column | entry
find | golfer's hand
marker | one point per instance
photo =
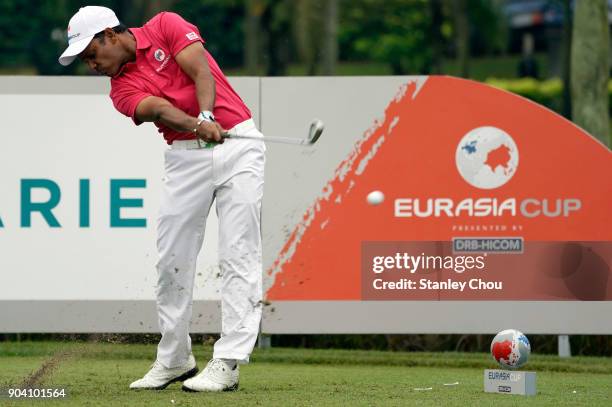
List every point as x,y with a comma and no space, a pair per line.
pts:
210,132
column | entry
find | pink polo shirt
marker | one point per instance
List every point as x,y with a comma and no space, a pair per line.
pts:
156,73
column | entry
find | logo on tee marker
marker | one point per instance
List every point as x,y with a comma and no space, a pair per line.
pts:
191,36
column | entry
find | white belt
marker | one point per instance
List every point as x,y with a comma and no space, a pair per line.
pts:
191,144
196,144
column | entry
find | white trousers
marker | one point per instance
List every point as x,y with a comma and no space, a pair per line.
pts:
232,174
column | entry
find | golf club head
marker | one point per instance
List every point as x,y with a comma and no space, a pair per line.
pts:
316,129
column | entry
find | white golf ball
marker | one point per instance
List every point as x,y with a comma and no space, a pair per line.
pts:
375,198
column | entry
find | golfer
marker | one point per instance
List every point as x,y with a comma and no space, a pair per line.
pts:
162,73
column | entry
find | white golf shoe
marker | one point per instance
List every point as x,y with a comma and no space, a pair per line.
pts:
217,376
159,377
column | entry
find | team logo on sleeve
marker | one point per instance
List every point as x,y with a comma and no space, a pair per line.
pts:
159,54
191,36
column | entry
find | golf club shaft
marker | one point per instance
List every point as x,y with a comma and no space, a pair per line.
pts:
285,140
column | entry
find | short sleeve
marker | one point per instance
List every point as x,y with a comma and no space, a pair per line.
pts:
126,99
177,32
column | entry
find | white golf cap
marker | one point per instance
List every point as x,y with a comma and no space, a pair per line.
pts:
86,23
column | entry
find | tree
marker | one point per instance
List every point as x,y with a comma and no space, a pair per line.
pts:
307,31
276,21
437,40
462,33
221,26
48,38
590,69
566,108
394,31
252,35
330,38
315,26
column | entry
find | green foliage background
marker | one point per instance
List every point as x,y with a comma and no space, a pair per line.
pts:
394,32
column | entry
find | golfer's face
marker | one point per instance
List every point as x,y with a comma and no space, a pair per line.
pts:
103,57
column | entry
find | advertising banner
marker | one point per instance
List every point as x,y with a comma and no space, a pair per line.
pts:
429,205
462,192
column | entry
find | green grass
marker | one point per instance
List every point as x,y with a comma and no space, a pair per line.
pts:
501,66
97,374
480,69
342,69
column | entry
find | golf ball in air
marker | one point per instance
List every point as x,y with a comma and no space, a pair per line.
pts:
375,198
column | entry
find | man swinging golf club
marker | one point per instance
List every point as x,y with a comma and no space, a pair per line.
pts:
162,73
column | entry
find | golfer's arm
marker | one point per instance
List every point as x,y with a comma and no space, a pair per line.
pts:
155,109
192,60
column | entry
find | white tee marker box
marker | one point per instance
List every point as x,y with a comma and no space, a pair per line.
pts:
510,382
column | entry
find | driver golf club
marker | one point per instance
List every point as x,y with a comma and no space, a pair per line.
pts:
315,131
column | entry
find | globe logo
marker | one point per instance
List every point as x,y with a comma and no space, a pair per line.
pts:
510,348
487,157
